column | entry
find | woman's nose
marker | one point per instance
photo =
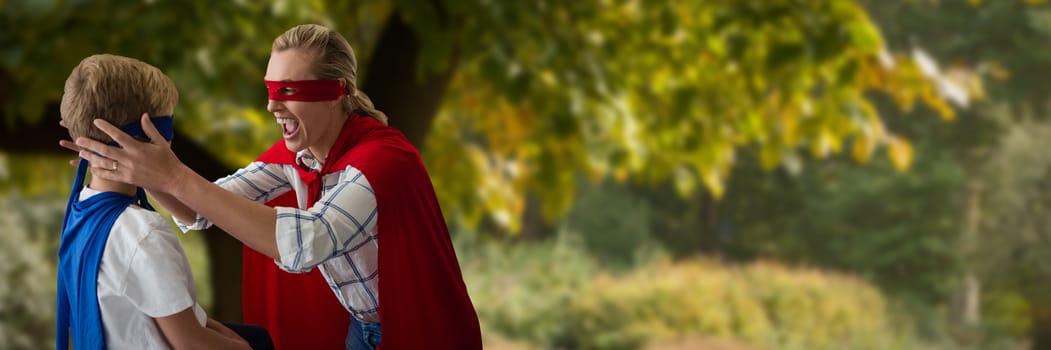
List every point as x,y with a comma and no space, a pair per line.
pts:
273,105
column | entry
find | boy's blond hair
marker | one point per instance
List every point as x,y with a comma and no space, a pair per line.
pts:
116,89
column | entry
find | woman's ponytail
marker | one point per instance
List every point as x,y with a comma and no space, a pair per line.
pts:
360,102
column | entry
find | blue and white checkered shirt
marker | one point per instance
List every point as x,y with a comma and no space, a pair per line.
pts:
337,234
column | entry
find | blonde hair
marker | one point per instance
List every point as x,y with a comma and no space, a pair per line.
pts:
116,89
334,59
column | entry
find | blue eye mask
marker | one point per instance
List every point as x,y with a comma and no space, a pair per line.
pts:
162,123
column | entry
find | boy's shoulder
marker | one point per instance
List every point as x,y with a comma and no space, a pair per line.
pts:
139,222
140,237
135,219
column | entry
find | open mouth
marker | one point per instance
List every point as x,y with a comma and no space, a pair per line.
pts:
289,126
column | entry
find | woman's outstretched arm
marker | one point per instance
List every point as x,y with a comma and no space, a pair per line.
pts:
153,166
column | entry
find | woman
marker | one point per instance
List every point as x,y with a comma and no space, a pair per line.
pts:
365,206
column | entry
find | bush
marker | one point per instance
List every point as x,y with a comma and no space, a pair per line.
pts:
764,304
521,291
553,295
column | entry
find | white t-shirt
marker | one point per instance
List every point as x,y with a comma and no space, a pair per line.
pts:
143,275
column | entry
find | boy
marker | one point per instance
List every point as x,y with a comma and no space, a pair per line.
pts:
124,281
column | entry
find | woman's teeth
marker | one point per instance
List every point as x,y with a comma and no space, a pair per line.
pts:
289,125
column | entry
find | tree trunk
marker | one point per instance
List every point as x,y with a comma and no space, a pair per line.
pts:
40,137
410,100
966,313
224,255
1041,331
534,227
711,241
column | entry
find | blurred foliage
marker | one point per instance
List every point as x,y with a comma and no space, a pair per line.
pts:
1016,232
998,146
674,97
553,295
1007,312
215,52
907,233
648,90
612,223
48,178
995,37
898,231
27,290
521,291
767,305
34,193
665,92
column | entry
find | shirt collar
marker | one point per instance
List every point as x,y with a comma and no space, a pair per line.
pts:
308,160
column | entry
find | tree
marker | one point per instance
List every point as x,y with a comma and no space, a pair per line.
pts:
654,94
537,91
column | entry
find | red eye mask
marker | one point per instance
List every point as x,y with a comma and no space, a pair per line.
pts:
305,90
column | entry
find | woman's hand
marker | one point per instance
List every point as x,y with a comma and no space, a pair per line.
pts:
151,165
67,144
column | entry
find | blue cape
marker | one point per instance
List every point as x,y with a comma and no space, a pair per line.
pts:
85,229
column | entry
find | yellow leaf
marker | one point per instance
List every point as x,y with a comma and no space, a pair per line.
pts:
713,181
769,157
621,174
938,104
900,153
790,127
995,70
684,181
825,143
862,148
548,78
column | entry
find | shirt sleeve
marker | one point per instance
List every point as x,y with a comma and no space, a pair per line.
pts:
343,220
159,281
259,182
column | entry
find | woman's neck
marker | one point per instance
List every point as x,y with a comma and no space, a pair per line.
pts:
328,140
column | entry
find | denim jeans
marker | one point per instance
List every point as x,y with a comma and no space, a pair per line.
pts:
362,336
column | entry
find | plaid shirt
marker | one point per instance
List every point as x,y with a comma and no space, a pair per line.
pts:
337,234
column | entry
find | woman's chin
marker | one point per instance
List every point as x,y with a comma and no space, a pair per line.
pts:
294,146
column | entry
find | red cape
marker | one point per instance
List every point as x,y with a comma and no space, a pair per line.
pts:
298,309
422,296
